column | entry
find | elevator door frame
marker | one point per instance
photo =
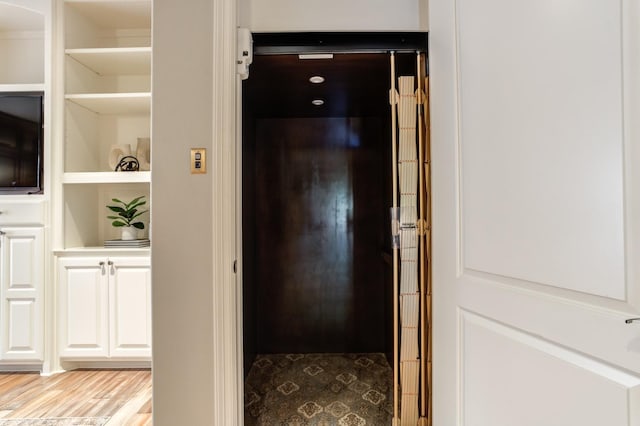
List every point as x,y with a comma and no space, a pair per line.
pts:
302,43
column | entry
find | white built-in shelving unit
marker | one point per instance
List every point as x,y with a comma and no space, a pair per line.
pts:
104,294
107,63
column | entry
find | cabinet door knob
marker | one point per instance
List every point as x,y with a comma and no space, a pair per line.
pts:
112,269
102,270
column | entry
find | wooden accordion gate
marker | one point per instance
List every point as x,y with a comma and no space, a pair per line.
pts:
411,238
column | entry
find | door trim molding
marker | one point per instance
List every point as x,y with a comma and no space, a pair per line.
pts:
227,382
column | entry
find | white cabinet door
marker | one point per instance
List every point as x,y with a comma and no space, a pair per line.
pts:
105,307
130,307
21,318
536,212
83,307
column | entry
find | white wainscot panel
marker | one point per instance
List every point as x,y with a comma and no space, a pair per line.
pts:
21,329
541,143
131,309
512,378
84,322
22,254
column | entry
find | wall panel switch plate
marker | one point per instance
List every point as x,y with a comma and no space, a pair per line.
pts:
198,160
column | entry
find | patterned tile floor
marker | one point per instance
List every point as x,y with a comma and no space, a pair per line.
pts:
319,390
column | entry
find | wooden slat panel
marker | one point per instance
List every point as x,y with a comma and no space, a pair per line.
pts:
408,170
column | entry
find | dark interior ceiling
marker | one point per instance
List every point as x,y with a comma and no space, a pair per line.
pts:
356,85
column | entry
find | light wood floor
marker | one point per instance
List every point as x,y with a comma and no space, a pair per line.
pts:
122,395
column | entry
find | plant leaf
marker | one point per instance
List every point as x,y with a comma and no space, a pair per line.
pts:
138,214
131,213
141,203
135,200
118,223
138,225
116,209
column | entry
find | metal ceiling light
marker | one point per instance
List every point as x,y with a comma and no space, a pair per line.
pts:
317,102
317,79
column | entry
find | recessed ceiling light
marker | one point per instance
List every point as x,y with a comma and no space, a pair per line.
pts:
317,102
316,79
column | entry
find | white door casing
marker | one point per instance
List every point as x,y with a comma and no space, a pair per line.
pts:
536,211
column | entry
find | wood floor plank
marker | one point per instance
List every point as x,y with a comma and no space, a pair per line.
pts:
38,406
14,386
130,409
139,420
121,395
146,408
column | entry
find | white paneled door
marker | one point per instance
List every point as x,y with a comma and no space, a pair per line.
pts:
83,306
535,112
130,306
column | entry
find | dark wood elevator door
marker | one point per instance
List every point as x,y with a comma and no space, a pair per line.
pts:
320,218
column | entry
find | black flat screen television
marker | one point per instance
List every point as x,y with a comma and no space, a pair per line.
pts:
21,142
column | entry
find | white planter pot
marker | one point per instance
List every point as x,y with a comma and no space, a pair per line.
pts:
129,233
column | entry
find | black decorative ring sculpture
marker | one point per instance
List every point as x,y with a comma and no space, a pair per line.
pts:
128,164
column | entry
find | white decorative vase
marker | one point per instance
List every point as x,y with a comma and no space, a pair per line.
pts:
129,233
143,153
117,153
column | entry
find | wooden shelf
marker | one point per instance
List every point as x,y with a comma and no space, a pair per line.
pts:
106,177
114,61
114,103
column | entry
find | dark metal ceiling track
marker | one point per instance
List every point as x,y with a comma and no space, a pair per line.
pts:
338,42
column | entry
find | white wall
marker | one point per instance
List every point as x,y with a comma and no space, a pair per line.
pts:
194,373
41,6
334,15
22,41
28,67
182,214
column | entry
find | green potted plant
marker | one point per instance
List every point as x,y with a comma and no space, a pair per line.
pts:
126,215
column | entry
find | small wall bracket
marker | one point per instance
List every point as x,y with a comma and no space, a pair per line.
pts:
245,52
